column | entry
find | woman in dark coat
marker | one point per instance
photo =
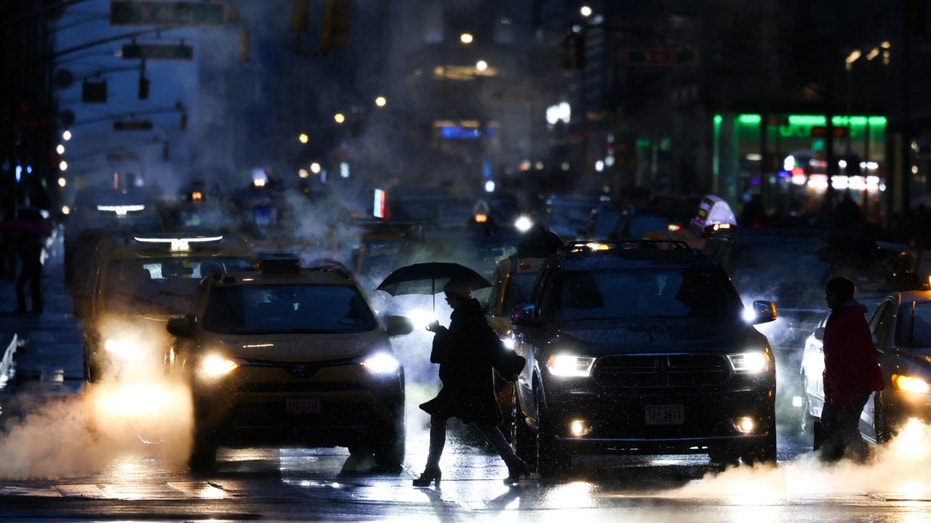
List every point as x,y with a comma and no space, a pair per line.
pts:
851,371
466,352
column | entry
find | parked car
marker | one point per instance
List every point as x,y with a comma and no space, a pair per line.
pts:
901,327
511,285
133,284
290,356
791,267
641,346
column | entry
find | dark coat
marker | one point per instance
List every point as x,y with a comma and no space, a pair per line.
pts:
849,357
466,352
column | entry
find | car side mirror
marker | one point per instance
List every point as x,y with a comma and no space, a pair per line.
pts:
398,325
182,326
524,314
819,333
764,311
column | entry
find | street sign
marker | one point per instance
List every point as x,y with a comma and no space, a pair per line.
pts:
821,131
661,57
158,52
166,13
132,125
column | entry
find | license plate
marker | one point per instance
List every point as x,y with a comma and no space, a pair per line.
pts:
302,406
665,414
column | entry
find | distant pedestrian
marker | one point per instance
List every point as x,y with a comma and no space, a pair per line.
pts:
30,231
851,372
467,352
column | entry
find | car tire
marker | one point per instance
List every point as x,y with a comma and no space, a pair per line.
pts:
881,424
523,438
203,454
389,451
552,459
761,453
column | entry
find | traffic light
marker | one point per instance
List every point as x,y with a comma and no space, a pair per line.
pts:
184,121
299,10
334,29
143,88
245,38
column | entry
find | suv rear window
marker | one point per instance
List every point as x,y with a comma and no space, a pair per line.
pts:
276,308
640,293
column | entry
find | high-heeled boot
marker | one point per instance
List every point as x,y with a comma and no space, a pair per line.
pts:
430,475
516,469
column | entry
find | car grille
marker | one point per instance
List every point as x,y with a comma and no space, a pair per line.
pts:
661,370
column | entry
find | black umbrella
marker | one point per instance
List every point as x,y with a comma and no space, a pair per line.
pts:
429,278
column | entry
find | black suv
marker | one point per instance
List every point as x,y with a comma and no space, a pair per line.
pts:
641,346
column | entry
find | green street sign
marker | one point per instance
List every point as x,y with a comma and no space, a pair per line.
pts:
158,52
166,13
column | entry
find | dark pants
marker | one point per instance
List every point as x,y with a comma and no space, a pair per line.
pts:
491,432
841,431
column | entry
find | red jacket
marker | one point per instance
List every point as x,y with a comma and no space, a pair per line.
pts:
849,357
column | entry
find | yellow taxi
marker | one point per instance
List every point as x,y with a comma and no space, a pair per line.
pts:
290,356
138,281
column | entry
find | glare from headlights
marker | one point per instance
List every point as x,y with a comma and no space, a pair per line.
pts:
214,366
754,362
381,363
910,384
135,399
749,314
523,223
570,366
123,349
421,317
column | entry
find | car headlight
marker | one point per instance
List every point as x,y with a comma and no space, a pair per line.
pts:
570,365
381,363
910,384
751,362
215,366
123,349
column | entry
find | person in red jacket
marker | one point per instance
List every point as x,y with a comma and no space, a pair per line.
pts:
851,372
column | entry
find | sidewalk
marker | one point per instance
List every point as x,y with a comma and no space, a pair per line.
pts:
41,352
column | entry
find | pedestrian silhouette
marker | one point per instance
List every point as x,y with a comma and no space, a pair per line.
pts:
851,372
467,352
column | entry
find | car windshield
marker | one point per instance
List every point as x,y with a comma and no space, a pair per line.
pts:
622,294
290,308
160,286
914,329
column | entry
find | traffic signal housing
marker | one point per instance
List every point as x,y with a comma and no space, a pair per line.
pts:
143,88
334,29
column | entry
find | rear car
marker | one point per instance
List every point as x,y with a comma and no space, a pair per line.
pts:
511,285
901,328
641,346
137,281
290,356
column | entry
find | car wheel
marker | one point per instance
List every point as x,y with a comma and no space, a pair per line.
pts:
523,437
203,454
761,452
389,451
552,459
881,420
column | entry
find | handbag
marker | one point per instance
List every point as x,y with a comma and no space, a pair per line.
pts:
508,363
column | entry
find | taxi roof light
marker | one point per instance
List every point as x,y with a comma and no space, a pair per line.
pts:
121,210
179,244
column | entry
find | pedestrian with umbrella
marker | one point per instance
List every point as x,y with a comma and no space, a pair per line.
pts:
467,351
